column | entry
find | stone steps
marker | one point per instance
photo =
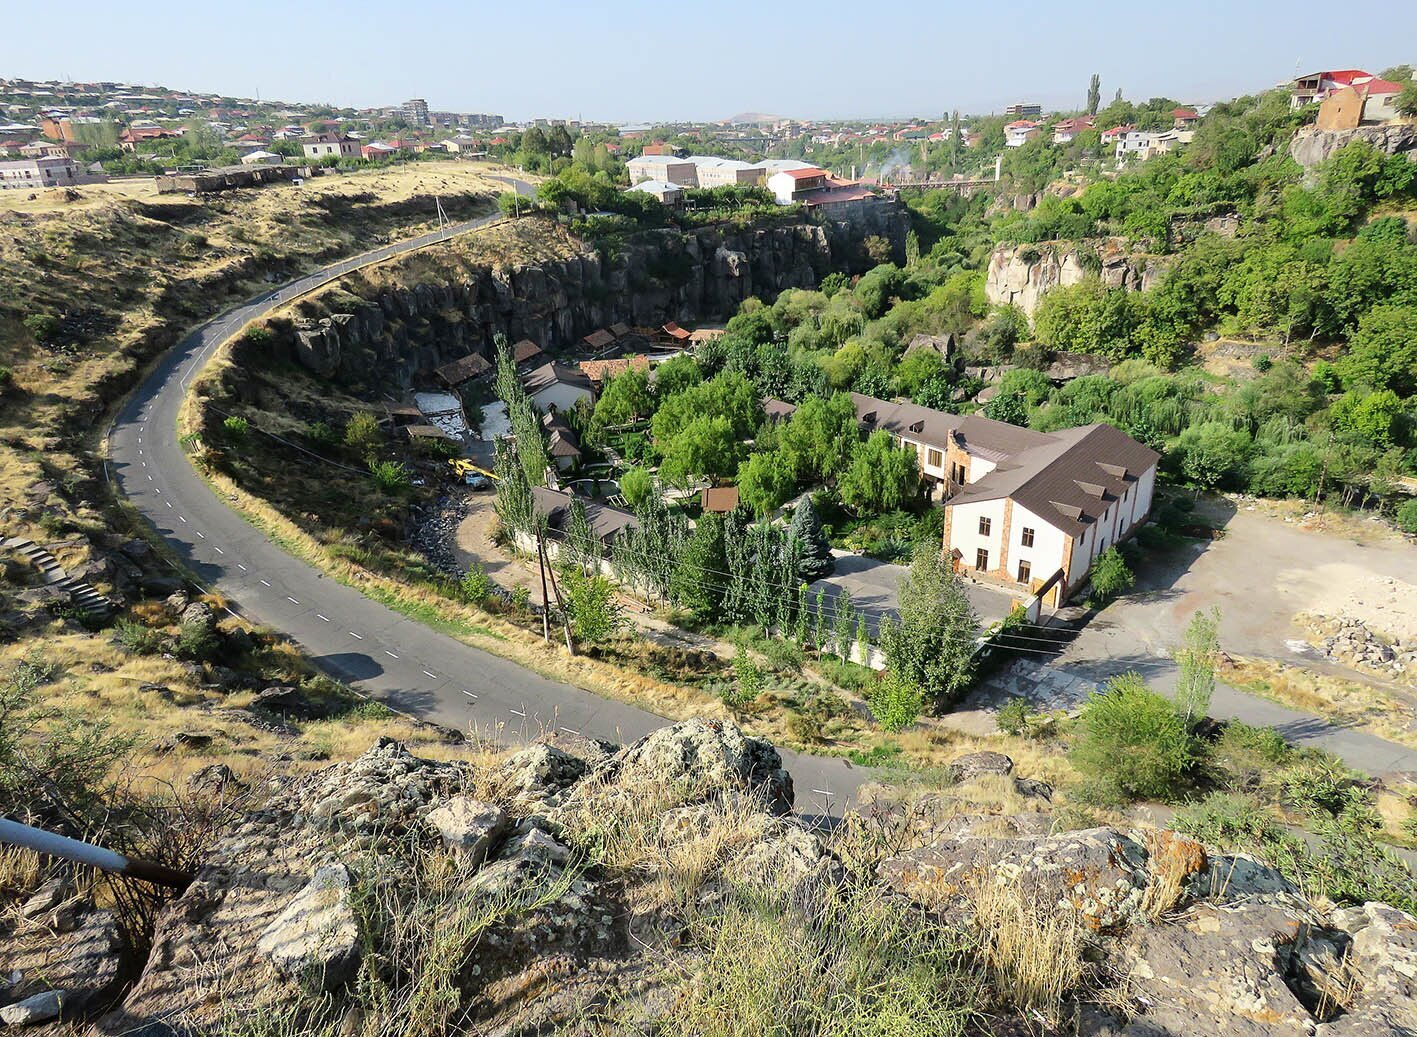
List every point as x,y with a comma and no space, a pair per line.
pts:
82,594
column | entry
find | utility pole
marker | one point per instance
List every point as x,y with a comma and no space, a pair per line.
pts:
561,604
545,599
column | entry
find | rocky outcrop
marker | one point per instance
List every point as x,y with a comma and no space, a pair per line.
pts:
392,333
1021,275
1312,146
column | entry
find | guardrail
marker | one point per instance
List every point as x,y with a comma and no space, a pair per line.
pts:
30,838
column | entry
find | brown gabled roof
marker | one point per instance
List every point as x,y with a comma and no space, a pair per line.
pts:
463,369
620,330
721,499
1069,479
675,331
425,432
550,373
555,507
601,371
778,410
599,339
976,435
561,439
525,350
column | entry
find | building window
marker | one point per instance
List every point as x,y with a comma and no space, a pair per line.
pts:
1026,538
985,525
1024,572
981,560
934,458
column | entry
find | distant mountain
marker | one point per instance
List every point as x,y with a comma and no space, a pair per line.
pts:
753,119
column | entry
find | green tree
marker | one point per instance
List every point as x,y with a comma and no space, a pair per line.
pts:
1213,454
1131,743
362,434
1372,417
896,701
821,437
636,485
931,642
766,481
1406,516
1094,93
1110,574
1197,658
707,446
676,375
581,549
1020,390
1383,351
814,550
701,568
625,398
1407,100
882,476
591,607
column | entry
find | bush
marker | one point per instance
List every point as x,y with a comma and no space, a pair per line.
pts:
391,476
236,427
475,585
322,433
42,326
1014,715
1110,574
137,638
196,641
362,434
748,681
896,702
7,379
1263,362
590,606
1407,517
1132,744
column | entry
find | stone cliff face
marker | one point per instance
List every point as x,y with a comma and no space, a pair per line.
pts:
660,276
1022,274
1312,146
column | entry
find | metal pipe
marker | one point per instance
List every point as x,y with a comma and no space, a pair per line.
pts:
37,839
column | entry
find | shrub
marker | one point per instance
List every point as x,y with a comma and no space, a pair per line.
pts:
1110,574
1263,362
7,379
748,681
1132,744
362,434
137,638
196,641
590,606
236,427
42,326
391,476
476,585
1014,715
896,702
1407,517
322,433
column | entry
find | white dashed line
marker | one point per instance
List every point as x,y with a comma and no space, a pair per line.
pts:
182,517
218,550
468,694
264,583
357,637
433,675
150,478
242,567
291,600
325,618
390,654
167,502
201,534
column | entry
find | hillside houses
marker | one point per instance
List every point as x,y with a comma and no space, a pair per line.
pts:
1023,508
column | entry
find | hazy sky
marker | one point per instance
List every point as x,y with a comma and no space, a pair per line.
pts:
636,60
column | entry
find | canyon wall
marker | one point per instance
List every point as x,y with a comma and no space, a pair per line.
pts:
390,334
1311,146
1021,275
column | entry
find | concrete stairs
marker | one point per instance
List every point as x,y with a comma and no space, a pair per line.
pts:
91,602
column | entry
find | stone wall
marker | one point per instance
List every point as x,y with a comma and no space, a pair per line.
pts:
1022,274
393,333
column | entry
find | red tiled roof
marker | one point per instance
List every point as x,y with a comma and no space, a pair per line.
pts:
1020,122
805,174
1184,113
1381,86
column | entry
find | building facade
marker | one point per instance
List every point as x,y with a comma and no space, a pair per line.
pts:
44,172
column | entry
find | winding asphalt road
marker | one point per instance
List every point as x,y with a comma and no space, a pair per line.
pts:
370,647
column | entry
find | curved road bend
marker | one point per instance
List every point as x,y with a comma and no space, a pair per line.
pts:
372,648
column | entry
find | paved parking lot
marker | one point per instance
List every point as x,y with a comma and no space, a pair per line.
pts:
872,585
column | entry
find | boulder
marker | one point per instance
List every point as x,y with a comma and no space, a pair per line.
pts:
978,765
1384,953
468,826
33,1010
1097,872
316,937
540,772
703,756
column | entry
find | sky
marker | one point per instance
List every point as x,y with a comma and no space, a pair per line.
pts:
636,60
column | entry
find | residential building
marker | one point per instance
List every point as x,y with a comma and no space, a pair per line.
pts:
1132,142
662,191
712,171
1022,507
130,138
562,443
664,168
1110,137
557,387
48,149
1365,103
331,145
555,507
790,185
1184,118
527,354
376,150
1065,130
1315,86
1020,132
415,111
463,370
1024,111
36,173
261,158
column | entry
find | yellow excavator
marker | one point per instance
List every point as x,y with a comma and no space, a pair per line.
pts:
464,471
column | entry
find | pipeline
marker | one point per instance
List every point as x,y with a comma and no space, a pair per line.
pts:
37,839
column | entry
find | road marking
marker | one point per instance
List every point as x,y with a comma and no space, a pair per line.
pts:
150,478
242,567
359,637
433,675
325,618
201,534
159,491
390,654
168,502
218,550
468,694
144,463
264,583
517,713
182,517
290,599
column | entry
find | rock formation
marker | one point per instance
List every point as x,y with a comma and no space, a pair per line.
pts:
1022,274
564,883
1311,146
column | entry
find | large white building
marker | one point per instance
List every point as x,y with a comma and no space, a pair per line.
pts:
712,171
51,171
662,167
1026,509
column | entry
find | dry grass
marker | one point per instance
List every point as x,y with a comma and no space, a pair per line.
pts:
1174,858
1346,703
20,871
1035,953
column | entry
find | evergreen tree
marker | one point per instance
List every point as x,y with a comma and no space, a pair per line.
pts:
1094,94
863,639
819,615
582,548
932,642
845,626
698,583
802,633
806,531
739,569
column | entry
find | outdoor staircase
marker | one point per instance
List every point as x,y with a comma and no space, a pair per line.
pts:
91,602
